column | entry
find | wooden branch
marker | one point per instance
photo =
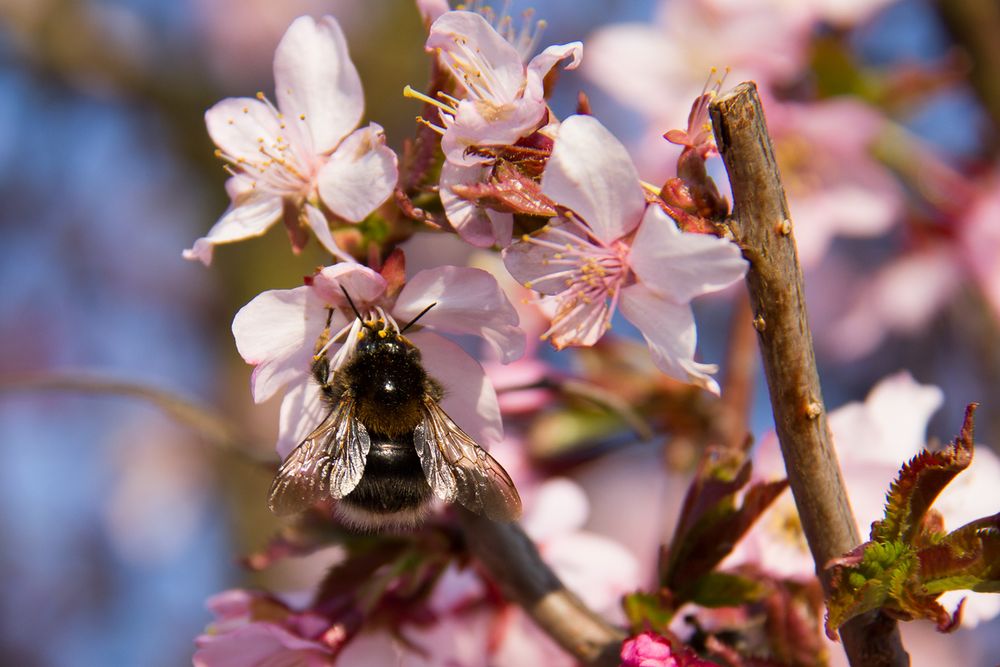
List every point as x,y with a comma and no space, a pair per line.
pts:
510,557
762,226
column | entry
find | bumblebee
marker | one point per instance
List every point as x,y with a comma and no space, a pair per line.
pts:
386,448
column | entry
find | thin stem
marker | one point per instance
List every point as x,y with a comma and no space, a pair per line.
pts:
512,559
762,227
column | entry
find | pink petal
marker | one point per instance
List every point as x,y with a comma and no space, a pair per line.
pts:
364,285
431,10
469,397
468,301
238,124
458,32
558,507
302,410
259,644
245,220
679,265
321,228
576,322
490,123
596,568
535,263
276,332
670,332
541,64
231,604
314,77
360,175
895,414
476,225
591,173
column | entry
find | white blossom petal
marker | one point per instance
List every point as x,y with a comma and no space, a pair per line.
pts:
541,64
559,507
239,126
247,219
276,333
468,301
302,410
591,173
476,225
364,285
315,78
321,228
468,38
680,266
488,123
360,175
895,414
670,332
469,397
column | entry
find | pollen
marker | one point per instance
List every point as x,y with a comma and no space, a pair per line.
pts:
382,333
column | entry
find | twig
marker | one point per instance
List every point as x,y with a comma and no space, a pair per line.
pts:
207,423
512,560
763,229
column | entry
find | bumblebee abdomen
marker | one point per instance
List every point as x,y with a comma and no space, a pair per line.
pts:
393,489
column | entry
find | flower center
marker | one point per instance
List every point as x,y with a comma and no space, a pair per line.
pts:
590,271
279,167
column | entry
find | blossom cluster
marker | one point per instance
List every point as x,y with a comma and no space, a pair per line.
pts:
565,234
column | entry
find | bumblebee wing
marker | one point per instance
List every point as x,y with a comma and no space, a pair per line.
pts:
327,464
459,470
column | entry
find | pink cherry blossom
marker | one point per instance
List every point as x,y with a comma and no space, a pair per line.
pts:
478,225
658,69
287,158
614,250
254,629
835,185
504,99
277,333
647,650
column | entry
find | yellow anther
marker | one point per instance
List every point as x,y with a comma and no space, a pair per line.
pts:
526,237
382,333
527,284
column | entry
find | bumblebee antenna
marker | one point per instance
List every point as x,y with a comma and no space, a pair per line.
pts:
419,315
355,308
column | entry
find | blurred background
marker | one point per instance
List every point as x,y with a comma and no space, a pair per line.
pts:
117,521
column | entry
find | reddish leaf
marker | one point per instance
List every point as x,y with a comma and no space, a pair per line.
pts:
919,483
967,558
710,522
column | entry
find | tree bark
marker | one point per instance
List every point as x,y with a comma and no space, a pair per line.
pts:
762,226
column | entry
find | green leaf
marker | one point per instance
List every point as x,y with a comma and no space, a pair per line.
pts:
652,611
968,558
869,577
724,589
